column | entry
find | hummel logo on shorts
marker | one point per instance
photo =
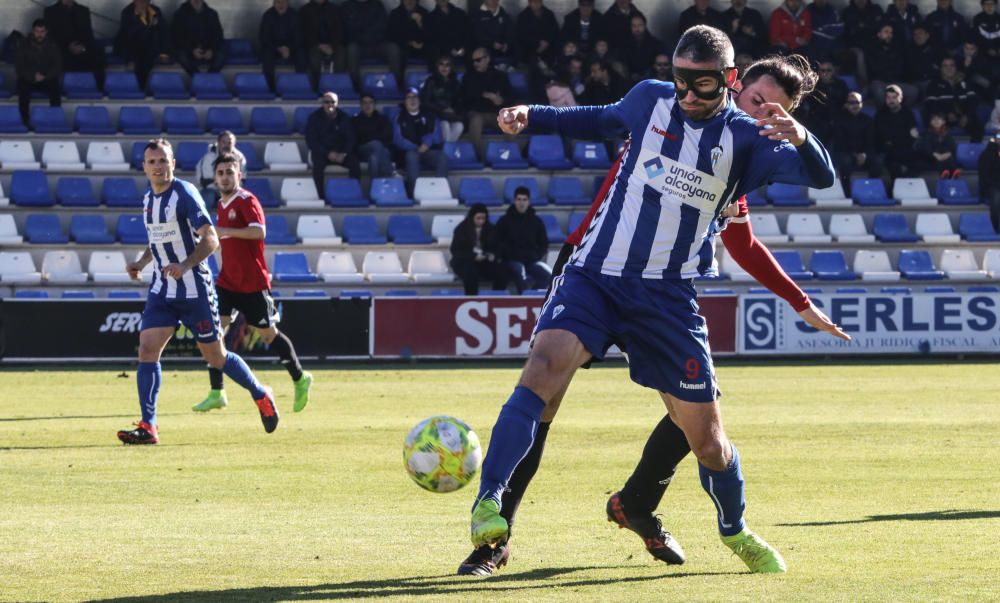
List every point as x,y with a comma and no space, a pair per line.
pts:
557,310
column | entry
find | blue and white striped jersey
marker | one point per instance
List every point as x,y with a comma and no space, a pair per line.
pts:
172,221
658,218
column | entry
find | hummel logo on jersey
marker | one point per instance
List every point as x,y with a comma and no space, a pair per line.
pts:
663,133
654,167
557,310
693,385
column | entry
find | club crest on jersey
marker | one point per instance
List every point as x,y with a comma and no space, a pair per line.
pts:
232,214
654,167
716,155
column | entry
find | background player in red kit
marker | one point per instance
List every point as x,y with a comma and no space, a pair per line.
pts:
244,284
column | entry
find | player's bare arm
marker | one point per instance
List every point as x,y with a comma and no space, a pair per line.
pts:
256,232
206,246
135,268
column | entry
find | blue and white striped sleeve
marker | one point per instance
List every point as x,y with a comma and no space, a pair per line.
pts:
808,164
193,207
601,121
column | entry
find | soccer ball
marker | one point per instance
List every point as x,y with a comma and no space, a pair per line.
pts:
442,454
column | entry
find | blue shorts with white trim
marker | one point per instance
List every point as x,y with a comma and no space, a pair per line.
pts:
200,315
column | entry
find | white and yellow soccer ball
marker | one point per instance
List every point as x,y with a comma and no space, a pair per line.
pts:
442,454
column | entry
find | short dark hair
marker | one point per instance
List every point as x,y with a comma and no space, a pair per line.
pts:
704,44
225,158
522,190
367,95
39,23
159,143
793,73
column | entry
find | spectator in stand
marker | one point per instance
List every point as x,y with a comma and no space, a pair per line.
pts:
583,25
790,27
493,28
280,39
441,94
952,98
976,68
986,28
418,140
828,31
699,13
523,243
604,86
948,28
600,52
746,29
39,67
407,28
69,27
825,105
886,58
365,24
142,38
638,54
485,89
923,58
989,178
448,31
662,69
854,143
618,22
896,133
323,38
225,144
861,19
197,35
474,253
373,137
330,138
993,125
568,76
936,148
537,34
559,93
742,62
903,17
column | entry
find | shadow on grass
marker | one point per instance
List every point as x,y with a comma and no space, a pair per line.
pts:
429,586
948,515
60,417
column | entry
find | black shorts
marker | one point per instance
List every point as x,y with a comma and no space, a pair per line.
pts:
257,308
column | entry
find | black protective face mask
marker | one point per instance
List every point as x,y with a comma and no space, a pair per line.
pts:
684,80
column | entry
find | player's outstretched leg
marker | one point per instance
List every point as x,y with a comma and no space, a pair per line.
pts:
290,360
217,396
237,370
148,379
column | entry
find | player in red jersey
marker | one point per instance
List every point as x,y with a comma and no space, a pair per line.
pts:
244,284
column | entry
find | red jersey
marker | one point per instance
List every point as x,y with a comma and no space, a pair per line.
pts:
244,269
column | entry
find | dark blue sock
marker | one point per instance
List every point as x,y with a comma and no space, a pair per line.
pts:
511,440
726,490
148,379
238,371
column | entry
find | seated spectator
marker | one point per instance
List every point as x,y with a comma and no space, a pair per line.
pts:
986,29
493,29
406,27
952,98
485,89
537,34
523,244
742,62
923,58
854,143
886,58
365,22
69,26
418,140
280,37
447,31
559,94
662,70
862,18
474,252
330,139
903,17
823,107
936,148
197,35
142,38
583,25
638,54
604,86
373,136
989,178
699,13
828,31
947,27
618,22
790,27
442,95
976,68
896,133
323,38
745,27
600,52
39,67
570,75
225,144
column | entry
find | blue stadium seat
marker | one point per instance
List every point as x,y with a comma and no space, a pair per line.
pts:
446,292
415,79
261,188
967,154
939,289
407,230
239,51
756,198
10,120
983,289
598,183
210,86
870,192
80,85
892,228
278,231
381,85
478,189
787,195
461,156
591,156
312,293
391,112
917,265
292,268
851,81
552,230
49,120
546,152
340,83
90,230
78,295
511,184
181,120
301,117
575,219
955,192
189,153
400,293
362,230
852,290
137,121
493,293
92,119
254,164
121,192
44,229
131,230
30,188
252,86
167,85
390,192
716,291
218,119
567,190
75,191
269,120
831,266
344,192
519,84
31,294
896,290
349,293
791,262
138,153
124,294
505,156
976,228
295,86
122,85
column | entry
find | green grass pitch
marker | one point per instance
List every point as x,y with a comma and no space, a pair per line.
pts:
878,481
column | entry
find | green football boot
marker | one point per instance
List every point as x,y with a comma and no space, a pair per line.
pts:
216,399
488,527
759,556
302,391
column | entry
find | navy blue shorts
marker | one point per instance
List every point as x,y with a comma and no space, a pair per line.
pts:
655,321
200,315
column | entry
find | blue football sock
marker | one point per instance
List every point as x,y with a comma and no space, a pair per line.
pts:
238,371
726,490
511,440
148,379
